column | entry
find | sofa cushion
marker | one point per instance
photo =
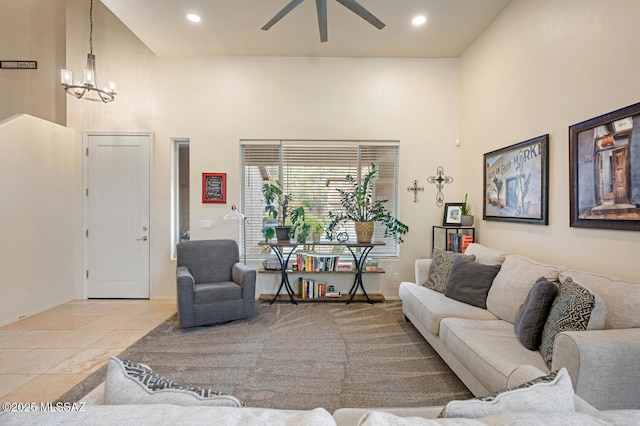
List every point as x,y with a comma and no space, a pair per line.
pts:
168,414
440,267
512,284
533,313
380,418
552,393
469,282
490,349
571,311
486,255
621,297
133,383
430,307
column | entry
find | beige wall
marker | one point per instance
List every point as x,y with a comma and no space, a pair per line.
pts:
33,30
542,66
215,102
37,226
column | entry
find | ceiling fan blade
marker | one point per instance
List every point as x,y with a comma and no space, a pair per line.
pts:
321,6
359,10
288,8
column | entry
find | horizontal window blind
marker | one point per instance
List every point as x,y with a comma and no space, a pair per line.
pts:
312,171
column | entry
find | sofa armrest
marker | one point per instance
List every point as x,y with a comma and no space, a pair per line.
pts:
246,277
185,279
186,296
603,365
422,270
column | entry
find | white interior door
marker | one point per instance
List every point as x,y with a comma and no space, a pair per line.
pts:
118,231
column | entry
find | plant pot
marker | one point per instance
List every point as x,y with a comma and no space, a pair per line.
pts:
466,220
364,231
316,237
282,233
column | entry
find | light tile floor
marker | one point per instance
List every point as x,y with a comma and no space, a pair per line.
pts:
45,355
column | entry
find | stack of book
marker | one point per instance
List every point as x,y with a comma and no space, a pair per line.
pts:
311,289
458,243
317,262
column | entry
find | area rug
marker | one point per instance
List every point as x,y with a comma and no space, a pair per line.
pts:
301,357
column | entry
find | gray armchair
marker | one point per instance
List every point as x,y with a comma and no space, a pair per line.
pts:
213,286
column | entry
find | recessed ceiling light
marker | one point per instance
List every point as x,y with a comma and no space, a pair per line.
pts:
193,17
419,20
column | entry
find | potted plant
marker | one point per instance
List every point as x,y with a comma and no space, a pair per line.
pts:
317,233
300,228
466,219
278,209
360,206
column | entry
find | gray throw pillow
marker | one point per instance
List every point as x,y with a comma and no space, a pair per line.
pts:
469,282
533,313
571,311
440,267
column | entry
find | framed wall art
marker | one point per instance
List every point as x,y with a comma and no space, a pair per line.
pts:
604,167
214,188
452,214
516,183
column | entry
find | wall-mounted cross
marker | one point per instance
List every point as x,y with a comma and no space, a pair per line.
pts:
439,181
415,188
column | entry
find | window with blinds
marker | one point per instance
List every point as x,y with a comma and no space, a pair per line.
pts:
311,171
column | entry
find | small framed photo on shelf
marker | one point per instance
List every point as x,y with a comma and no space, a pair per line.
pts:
214,188
452,214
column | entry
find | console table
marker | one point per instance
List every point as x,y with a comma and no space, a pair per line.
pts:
359,252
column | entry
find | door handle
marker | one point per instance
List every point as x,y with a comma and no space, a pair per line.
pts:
144,238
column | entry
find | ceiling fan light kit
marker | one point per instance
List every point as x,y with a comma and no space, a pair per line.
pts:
321,7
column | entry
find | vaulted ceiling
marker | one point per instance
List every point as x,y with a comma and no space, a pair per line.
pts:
233,27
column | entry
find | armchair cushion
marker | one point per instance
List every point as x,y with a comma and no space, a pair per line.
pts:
217,292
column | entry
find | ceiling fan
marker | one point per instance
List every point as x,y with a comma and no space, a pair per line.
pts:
321,6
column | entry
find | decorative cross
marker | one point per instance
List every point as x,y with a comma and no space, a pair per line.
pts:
439,180
415,188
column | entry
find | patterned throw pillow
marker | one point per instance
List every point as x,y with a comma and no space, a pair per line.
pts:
571,311
440,267
129,382
552,393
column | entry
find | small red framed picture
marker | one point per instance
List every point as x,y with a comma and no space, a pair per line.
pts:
214,188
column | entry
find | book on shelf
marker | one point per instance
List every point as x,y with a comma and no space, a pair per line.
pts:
311,289
344,266
458,243
332,294
317,262
466,241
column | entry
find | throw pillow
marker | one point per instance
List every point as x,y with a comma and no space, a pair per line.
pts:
486,255
440,267
552,393
132,383
469,282
533,313
571,311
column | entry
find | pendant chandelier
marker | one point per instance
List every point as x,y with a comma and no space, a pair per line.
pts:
88,89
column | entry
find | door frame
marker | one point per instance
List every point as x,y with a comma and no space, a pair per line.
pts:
85,205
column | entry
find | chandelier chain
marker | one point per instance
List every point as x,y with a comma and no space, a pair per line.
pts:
91,28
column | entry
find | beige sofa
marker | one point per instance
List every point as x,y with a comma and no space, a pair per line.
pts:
481,347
